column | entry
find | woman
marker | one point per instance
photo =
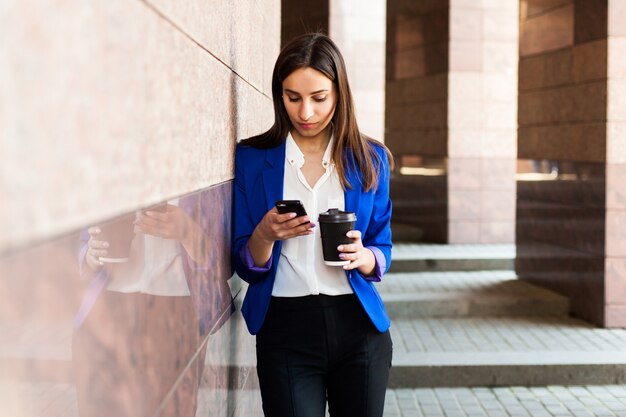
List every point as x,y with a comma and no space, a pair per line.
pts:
322,331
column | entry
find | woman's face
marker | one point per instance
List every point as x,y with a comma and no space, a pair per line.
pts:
310,98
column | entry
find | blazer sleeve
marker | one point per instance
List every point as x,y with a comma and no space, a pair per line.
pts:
378,233
243,224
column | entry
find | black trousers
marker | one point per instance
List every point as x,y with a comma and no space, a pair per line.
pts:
317,348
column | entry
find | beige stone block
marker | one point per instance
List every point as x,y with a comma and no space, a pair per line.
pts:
464,174
498,205
616,18
501,24
497,232
463,232
498,174
615,190
465,55
465,24
590,61
616,142
465,114
615,230
616,57
616,111
465,86
508,5
464,143
499,115
465,4
498,143
549,31
463,205
499,88
499,57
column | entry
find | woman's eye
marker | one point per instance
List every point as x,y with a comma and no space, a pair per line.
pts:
319,99
293,100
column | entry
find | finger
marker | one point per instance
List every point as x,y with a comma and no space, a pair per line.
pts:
353,247
282,218
93,230
302,221
353,264
98,244
354,234
96,253
353,256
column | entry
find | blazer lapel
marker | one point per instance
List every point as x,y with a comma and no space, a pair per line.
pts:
273,175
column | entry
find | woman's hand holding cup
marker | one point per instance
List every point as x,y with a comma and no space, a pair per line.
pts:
95,249
360,257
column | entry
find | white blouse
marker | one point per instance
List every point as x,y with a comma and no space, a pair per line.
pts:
301,270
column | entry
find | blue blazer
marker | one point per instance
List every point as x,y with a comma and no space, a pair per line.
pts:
259,183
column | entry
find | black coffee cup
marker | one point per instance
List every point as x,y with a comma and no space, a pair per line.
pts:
119,234
334,224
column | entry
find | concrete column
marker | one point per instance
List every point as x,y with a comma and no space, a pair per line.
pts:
571,233
615,261
358,28
451,106
482,109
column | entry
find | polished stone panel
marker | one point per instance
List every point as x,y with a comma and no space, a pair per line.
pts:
530,8
153,331
564,141
560,233
548,31
112,101
451,93
303,16
590,22
418,189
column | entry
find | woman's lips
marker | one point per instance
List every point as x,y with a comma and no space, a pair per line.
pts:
307,125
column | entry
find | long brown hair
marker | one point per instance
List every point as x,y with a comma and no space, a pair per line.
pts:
318,51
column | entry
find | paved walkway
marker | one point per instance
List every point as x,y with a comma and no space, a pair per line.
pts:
552,401
451,337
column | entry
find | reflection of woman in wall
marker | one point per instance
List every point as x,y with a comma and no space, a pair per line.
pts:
141,332
322,331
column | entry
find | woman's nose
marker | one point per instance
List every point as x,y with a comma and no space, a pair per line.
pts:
306,110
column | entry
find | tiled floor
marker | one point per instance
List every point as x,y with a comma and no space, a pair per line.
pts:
552,401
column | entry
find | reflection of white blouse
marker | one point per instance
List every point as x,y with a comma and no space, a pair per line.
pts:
301,270
155,267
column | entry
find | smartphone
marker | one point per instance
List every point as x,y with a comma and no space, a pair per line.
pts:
290,206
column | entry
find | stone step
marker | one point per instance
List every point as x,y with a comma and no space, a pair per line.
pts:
467,294
472,369
522,351
416,257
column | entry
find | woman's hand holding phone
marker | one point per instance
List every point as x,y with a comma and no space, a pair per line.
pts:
276,226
